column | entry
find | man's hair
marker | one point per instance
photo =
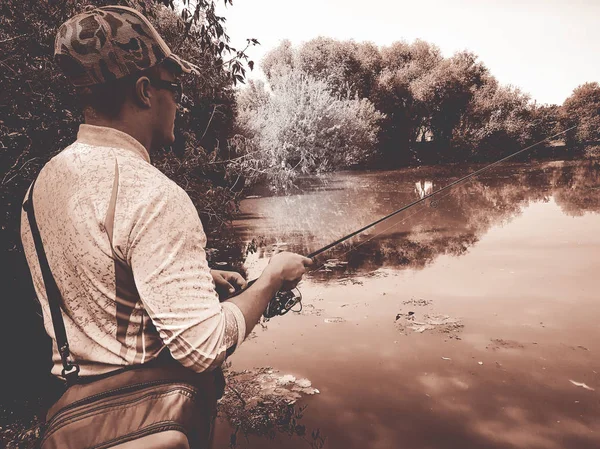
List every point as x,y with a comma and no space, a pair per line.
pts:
107,99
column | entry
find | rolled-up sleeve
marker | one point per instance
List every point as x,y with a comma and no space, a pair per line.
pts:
166,252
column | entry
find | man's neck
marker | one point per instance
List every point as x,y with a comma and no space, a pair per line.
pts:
123,125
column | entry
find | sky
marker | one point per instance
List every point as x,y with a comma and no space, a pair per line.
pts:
544,47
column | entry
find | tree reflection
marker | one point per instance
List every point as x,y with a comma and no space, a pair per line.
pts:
416,237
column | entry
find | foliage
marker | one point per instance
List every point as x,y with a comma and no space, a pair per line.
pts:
446,90
402,65
349,68
582,109
200,24
497,119
545,121
303,128
434,108
281,56
592,152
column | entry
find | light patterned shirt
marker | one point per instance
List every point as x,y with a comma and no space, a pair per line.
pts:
126,248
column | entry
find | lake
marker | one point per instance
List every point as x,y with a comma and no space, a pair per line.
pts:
471,322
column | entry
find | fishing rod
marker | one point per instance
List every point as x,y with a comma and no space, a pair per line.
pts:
284,301
426,197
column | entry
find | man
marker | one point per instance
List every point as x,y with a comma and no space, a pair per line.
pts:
124,243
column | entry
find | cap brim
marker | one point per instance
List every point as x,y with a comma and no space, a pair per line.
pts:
185,66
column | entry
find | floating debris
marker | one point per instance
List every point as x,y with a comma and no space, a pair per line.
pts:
438,323
416,302
499,343
335,263
441,323
286,379
304,383
309,309
582,385
262,402
336,319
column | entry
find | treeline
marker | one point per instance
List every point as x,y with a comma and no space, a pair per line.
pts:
332,104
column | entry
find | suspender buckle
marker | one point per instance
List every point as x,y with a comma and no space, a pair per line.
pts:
70,369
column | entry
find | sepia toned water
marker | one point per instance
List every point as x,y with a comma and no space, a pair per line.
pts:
472,322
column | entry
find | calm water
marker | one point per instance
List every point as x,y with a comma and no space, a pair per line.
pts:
510,259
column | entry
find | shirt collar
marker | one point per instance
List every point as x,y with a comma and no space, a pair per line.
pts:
103,136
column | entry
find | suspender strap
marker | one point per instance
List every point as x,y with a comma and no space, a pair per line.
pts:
70,369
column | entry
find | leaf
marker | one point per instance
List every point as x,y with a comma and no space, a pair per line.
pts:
251,65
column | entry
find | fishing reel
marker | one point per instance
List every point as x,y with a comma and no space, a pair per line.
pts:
283,302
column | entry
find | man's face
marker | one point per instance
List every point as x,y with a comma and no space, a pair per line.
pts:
164,109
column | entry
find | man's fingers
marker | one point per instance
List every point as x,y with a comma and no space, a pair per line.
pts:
307,261
230,288
237,280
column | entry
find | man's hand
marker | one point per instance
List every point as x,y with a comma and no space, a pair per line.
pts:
283,272
227,282
288,268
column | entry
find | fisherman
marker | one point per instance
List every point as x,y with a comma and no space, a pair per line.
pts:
123,242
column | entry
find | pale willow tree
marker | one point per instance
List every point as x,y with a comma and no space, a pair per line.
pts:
303,128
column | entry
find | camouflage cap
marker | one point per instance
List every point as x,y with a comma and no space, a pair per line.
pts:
108,43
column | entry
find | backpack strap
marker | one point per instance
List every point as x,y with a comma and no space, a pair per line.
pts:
70,369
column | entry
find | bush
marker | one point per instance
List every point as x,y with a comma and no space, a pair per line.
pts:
302,128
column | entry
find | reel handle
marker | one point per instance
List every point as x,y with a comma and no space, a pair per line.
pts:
280,304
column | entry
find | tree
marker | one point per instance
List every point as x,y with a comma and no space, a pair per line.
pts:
545,121
392,96
281,57
582,109
407,120
304,128
371,64
496,120
445,92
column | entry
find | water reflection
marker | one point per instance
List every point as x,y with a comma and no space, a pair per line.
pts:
424,188
337,205
502,255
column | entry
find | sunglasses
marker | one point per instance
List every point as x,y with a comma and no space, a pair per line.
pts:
173,86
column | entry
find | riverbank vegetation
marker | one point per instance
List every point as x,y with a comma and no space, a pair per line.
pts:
416,107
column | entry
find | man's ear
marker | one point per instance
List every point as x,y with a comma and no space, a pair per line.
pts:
143,94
